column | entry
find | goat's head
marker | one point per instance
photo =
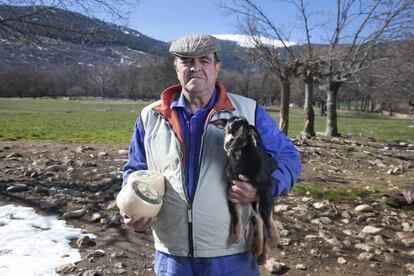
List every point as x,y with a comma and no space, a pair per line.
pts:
237,134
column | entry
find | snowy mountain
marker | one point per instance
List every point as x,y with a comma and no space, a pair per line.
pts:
247,41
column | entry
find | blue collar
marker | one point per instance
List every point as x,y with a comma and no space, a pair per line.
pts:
180,102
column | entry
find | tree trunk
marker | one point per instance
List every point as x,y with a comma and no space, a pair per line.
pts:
284,105
309,115
331,119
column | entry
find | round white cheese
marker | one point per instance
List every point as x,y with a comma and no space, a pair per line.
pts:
142,195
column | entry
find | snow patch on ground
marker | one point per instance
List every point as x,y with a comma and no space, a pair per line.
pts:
32,244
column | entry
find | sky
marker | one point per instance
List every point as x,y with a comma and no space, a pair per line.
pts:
32,244
168,20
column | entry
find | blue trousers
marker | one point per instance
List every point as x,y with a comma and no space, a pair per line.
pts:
243,264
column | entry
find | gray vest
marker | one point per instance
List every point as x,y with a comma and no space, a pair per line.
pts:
208,213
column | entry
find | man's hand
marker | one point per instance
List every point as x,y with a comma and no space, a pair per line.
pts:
141,224
242,191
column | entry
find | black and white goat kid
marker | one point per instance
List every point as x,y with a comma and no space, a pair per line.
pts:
247,161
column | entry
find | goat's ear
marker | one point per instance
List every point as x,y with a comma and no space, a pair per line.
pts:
254,134
220,123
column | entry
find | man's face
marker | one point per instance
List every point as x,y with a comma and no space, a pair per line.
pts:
197,75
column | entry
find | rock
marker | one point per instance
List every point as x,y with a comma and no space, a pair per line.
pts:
41,189
14,156
319,205
119,255
65,268
96,254
123,152
92,272
388,258
408,242
322,220
329,238
407,227
284,232
364,247
410,267
364,208
280,208
285,241
407,238
74,214
85,241
102,154
120,271
349,232
83,149
96,217
17,188
120,265
55,168
341,260
379,240
311,237
365,256
371,230
301,267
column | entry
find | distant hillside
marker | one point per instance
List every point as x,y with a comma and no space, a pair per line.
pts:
78,39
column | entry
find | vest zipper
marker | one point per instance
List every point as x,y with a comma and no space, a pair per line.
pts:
189,202
190,230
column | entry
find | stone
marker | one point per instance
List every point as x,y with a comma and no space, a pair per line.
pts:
311,237
319,205
364,208
96,217
273,266
40,189
364,247
74,214
102,154
280,208
96,254
85,241
285,241
55,168
409,267
119,255
123,152
408,242
341,260
14,156
349,232
371,230
17,188
301,267
379,240
365,256
65,268
92,272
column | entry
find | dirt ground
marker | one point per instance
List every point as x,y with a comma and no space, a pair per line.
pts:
319,237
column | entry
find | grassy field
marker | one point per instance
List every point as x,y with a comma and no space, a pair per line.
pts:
111,121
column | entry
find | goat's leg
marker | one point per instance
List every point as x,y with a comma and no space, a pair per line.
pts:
236,227
274,234
261,259
256,233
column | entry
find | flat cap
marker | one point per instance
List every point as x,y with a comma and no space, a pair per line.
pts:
193,46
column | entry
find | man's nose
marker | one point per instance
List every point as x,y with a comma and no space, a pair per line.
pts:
195,65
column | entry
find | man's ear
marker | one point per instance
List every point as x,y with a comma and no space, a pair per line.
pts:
254,134
220,123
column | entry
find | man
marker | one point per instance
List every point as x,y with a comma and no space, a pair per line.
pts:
173,137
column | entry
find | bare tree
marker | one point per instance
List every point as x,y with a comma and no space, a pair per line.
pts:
18,18
102,78
373,22
281,58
